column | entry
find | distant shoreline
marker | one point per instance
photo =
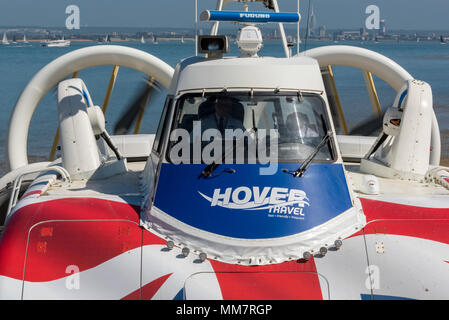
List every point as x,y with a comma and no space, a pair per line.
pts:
190,38
149,39
113,40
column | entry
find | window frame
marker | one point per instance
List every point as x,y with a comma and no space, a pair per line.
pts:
162,127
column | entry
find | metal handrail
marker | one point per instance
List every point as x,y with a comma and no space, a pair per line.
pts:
18,182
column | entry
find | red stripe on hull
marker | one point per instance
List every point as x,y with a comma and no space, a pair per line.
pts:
83,244
149,290
375,210
286,281
398,219
86,244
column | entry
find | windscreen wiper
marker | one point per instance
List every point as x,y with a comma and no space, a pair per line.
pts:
210,168
302,169
207,172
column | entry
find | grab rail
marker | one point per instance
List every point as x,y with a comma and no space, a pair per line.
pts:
18,182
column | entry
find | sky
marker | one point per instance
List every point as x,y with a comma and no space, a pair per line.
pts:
334,14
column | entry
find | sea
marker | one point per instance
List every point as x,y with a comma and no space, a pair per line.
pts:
425,60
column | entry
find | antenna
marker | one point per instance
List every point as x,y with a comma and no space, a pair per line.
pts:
307,28
281,29
298,40
196,27
214,29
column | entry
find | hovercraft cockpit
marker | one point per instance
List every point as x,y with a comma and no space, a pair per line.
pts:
246,163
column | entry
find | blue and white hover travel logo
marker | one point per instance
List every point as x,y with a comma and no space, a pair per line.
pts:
278,202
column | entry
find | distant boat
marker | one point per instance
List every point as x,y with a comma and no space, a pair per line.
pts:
155,40
142,40
55,43
182,39
106,39
442,40
5,39
25,39
14,39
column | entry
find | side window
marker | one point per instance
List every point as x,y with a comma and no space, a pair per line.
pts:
157,145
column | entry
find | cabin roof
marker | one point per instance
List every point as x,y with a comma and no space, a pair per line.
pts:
262,72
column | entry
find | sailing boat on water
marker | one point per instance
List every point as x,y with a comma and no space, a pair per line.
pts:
442,40
155,40
142,40
182,39
106,39
5,39
25,39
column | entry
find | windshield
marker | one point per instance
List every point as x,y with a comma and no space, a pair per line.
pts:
292,124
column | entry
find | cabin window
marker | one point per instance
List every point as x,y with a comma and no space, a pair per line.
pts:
298,123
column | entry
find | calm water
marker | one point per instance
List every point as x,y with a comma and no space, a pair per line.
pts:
428,61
